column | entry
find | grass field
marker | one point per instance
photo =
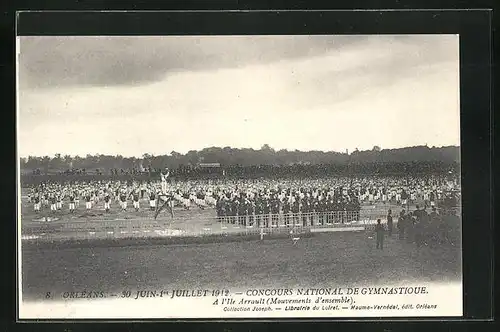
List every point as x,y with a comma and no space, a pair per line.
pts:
328,259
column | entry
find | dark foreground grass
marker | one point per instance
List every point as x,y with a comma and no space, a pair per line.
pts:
323,260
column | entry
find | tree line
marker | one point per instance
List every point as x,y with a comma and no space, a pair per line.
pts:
230,157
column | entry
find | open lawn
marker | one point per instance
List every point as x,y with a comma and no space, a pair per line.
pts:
327,259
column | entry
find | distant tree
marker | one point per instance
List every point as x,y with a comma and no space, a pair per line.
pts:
68,161
266,147
56,162
77,161
248,157
157,162
32,163
46,164
191,157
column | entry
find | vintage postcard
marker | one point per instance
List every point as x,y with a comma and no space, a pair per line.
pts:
217,177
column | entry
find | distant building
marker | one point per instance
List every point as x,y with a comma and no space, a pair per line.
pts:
209,165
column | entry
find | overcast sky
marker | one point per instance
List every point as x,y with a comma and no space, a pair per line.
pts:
136,95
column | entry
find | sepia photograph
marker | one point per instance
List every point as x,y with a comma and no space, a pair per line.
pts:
239,176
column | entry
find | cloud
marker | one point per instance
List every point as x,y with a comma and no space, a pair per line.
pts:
360,91
46,62
105,61
377,63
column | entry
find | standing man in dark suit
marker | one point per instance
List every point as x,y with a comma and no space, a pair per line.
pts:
274,207
304,210
286,212
380,230
250,212
234,211
295,211
310,210
242,212
389,222
258,211
402,224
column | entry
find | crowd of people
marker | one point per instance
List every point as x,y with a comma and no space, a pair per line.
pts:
243,201
421,227
235,171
